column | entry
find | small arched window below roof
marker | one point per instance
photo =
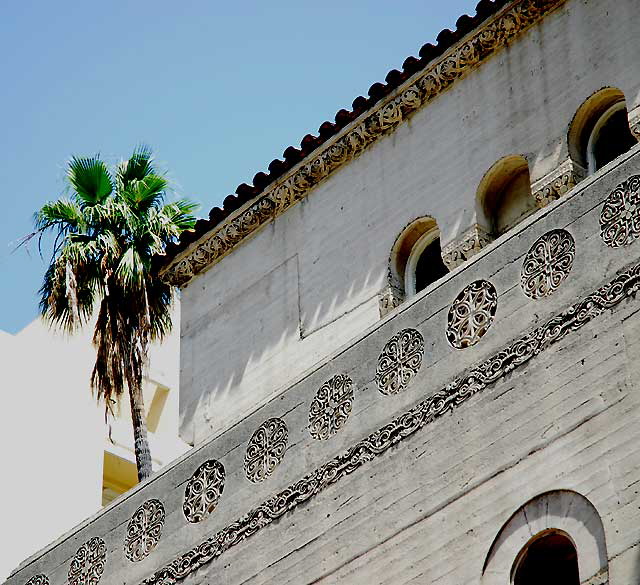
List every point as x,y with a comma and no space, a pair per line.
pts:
416,259
599,131
610,137
425,264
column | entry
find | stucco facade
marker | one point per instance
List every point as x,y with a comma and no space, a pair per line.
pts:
348,431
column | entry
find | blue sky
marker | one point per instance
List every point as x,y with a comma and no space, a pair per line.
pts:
217,89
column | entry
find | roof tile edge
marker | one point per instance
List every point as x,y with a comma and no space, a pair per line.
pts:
215,238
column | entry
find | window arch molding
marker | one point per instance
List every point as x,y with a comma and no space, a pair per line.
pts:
588,122
406,253
563,511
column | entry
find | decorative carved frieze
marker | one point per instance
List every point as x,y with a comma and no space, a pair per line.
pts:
144,530
466,246
471,314
634,122
203,491
390,298
557,183
399,361
477,379
331,407
265,450
87,565
38,580
547,263
385,117
620,216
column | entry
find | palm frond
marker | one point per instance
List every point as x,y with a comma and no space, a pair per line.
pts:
141,195
90,179
139,166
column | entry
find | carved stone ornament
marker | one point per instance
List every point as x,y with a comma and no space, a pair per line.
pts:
455,394
471,314
557,183
466,246
203,491
547,263
620,215
265,450
87,565
144,530
331,407
38,580
399,361
490,37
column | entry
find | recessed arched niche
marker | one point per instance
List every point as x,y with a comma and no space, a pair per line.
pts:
504,196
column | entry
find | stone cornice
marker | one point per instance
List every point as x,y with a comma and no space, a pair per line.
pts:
477,379
385,117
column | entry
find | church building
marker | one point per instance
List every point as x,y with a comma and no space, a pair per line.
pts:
410,348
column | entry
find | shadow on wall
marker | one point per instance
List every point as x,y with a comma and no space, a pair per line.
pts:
301,289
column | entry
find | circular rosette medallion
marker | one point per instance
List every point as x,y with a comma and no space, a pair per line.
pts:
620,215
144,530
471,314
87,565
399,361
547,264
331,407
203,491
265,450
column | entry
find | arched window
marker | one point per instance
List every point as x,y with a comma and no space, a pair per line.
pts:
425,263
599,132
568,544
416,258
504,195
549,558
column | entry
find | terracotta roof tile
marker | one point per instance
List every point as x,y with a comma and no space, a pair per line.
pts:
244,193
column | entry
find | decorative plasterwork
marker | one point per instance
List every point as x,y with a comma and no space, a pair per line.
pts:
144,530
385,117
399,361
453,395
466,246
557,183
620,216
634,122
38,580
471,314
87,565
547,263
331,407
203,491
265,450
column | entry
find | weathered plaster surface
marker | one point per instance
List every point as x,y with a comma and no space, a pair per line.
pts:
564,418
335,244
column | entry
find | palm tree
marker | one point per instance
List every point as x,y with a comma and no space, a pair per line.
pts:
106,232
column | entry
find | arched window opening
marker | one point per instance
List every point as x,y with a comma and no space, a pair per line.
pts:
610,137
425,263
416,258
550,558
504,195
599,132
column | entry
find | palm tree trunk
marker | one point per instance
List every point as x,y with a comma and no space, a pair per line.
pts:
140,440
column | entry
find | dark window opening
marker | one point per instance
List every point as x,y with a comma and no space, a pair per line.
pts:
551,559
613,139
430,266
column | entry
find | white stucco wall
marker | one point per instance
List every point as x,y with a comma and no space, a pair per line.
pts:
53,434
308,283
